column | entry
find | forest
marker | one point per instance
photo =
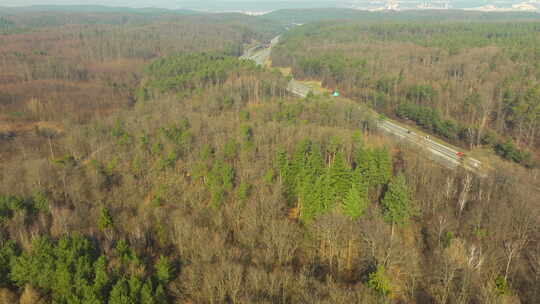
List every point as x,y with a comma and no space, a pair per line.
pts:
470,83
141,161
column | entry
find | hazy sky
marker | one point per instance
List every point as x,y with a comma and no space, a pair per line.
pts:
139,3
157,3
234,4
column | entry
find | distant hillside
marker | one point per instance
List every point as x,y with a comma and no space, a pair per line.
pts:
314,15
236,5
98,9
6,25
269,5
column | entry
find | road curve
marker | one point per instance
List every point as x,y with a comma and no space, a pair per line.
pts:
260,54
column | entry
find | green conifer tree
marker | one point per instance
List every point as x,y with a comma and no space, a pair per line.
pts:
300,157
164,270
397,201
147,293
379,282
315,161
160,296
63,284
356,201
290,170
284,172
309,173
319,199
105,221
306,200
282,163
243,190
8,252
101,278
120,293
366,166
135,286
230,150
340,178
219,180
246,132
383,162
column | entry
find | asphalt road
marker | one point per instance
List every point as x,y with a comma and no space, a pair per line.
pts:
441,153
297,88
260,55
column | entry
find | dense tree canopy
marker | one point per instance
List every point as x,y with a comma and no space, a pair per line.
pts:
200,179
464,81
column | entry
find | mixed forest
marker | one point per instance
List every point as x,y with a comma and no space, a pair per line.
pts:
141,161
473,84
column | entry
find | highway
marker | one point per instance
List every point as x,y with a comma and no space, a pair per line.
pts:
298,89
256,54
260,55
443,154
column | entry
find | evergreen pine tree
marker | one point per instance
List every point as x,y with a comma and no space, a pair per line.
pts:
356,201
160,296
63,284
397,201
89,297
164,270
309,173
101,277
230,150
227,174
120,293
383,162
220,180
147,293
339,177
105,220
326,192
379,282
357,139
243,190
286,175
366,166
282,163
300,157
135,286
8,252
305,190
315,161
315,201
